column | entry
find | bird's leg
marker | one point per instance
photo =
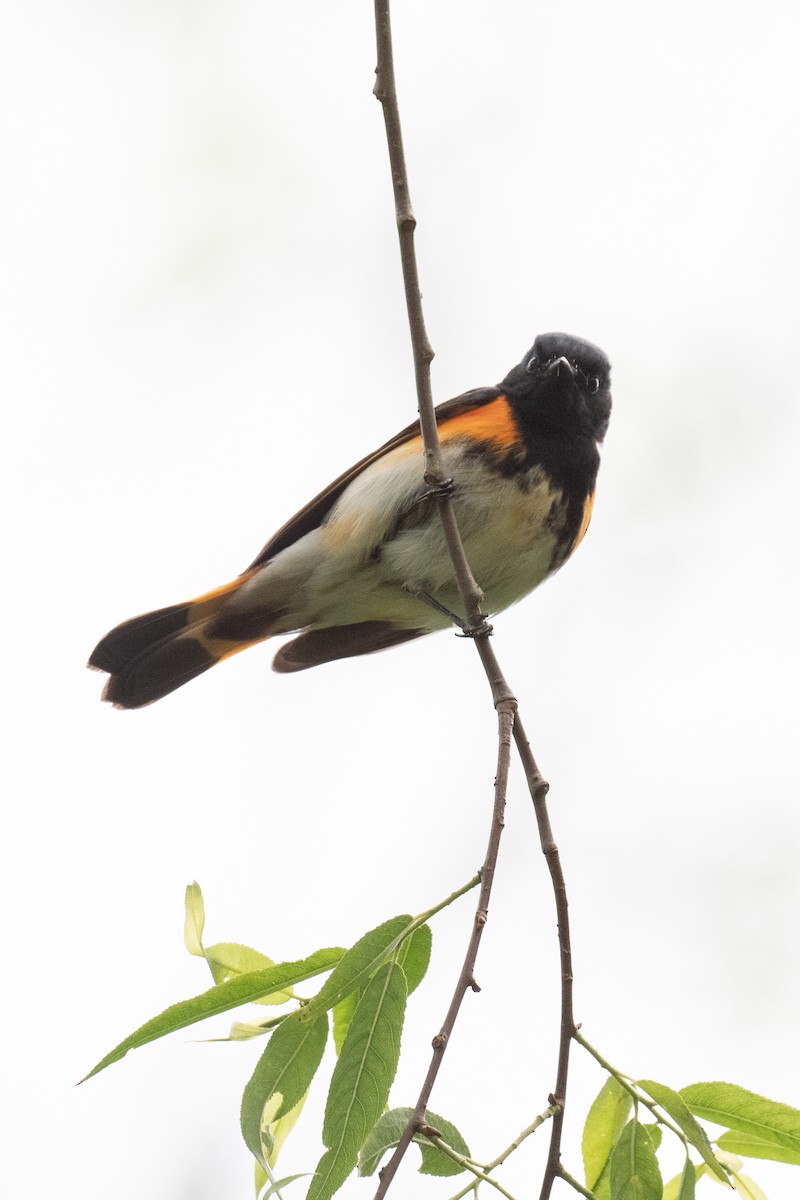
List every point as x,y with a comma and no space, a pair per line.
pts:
467,630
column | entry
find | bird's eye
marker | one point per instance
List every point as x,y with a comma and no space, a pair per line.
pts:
594,385
531,364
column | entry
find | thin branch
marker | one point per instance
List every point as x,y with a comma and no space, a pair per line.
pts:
471,596
470,1166
538,789
435,475
509,1150
466,979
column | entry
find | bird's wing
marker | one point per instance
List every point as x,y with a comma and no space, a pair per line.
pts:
313,514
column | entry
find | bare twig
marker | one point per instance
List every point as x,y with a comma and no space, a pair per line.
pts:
435,475
471,596
538,789
466,979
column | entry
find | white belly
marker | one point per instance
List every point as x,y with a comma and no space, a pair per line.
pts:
345,572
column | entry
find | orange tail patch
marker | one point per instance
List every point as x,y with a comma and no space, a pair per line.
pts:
150,656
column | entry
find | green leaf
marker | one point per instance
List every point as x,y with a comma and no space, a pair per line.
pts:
194,920
287,1066
434,1160
361,1078
743,1111
634,1167
604,1123
388,1131
242,990
358,964
229,959
675,1106
414,957
683,1185
755,1147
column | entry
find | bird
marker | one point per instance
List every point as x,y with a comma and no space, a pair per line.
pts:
364,565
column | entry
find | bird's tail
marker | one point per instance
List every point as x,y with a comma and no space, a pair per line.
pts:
150,656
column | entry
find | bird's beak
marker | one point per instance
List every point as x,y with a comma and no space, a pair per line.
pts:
558,363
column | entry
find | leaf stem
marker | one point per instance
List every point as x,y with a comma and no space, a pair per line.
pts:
501,1158
573,1183
469,1165
456,895
629,1085
520,1138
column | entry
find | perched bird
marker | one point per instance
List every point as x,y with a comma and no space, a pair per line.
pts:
356,570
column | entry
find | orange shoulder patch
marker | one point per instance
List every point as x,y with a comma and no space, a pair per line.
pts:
493,422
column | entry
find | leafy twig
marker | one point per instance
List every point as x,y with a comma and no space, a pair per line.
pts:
628,1084
538,789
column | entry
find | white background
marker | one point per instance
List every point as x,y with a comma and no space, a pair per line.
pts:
203,323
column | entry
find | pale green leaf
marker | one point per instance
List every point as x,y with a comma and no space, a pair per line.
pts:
634,1167
604,1124
281,1127
675,1106
229,959
279,1184
731,1161
754,1147
744,1111
361,1078
342,1016
747,1188
243,1031
242,990
287,1066
194,920
358,964
390,1128
654,1130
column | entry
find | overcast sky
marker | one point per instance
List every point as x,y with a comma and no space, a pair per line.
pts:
203,323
